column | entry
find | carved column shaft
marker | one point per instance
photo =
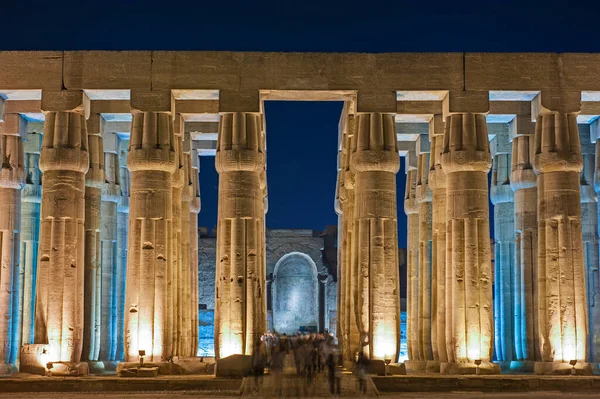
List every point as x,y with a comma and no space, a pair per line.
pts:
562,293
240,160
194,210
411,208
59,311
122,229
151,162
186,265
375,163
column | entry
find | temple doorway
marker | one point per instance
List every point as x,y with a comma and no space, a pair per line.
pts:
295,294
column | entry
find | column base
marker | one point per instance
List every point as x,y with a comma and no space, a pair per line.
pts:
415,366
96,367
485,368
561,368
233,366
504,365
396,369
433,366
522,366
67,369
148,369
7,369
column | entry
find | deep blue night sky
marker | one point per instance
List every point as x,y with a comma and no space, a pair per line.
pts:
301,136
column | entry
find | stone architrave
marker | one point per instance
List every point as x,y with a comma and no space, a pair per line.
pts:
151,161
589,230
31,199
111,191
122,230
411,208
466,162
506,278
64,160
94,179
12,180
187,195
375,163
424,198
194,211
523,182
561,271
240,160
437,182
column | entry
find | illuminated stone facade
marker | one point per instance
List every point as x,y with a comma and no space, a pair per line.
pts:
155,111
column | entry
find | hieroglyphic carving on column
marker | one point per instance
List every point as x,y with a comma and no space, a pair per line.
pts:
151,162
240,160
93,269
424,198
111,192
561,285
523,182
12,180
466,162
261,300
122,229
589,230
31,199
187,277
437,182
64,160
411,208
506,280
375,163
194,211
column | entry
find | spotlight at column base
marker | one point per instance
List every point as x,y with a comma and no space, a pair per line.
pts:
485,368
67,369
563,368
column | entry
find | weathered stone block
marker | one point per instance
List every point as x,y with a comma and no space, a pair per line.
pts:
233,366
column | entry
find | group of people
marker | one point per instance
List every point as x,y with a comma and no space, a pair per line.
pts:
312,353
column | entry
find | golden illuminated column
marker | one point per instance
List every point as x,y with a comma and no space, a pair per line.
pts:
375,163
523,182
506,280
111,191
152,160
424,198
466,162
93,269
589,229
194,211
187,267
561,278
411,208
64,160
122,229
240,160
437,183
12,180
31,199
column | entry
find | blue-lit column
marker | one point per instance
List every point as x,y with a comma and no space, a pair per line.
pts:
122,228
11,184
504,227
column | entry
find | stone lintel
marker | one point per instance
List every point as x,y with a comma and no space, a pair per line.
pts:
24,106
31,70
13,125
521,126
500,144
195,106
384,102
419,107
108,106
556,101
590,107
466,101
63,100
239,101
522,108
436,126
150,100
110,142
32,143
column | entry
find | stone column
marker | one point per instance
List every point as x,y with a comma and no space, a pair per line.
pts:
437,182
466,162
523,182
122,229
424,198
64,160
31,199
152,160
111,192
506,279
194,211
411,208
589,229
11,183
94,180
187,196
240,160
561,285
375,163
